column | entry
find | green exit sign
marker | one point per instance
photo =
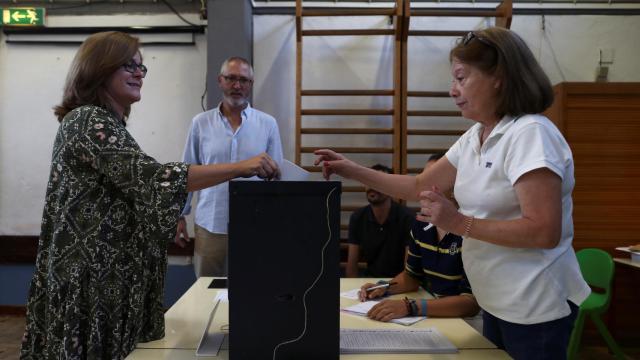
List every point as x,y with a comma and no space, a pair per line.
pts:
23,16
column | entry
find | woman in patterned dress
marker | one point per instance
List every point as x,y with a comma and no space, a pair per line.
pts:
110,212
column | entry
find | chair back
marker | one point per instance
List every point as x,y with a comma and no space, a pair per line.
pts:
597,267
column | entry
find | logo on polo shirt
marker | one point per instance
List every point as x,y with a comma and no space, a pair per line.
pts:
488,164
454,249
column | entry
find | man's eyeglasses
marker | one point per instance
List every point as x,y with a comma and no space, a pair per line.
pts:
472,35
131,67
239,79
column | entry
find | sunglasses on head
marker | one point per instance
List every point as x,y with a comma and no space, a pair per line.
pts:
472,35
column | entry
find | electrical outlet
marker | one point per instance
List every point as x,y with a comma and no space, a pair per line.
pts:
606,56
602,73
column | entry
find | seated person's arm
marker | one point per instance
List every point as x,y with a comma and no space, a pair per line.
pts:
448,306
463,305
353,257
402,283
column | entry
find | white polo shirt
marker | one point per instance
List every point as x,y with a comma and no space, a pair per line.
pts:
523,286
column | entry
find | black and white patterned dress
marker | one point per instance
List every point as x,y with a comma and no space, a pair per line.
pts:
110,211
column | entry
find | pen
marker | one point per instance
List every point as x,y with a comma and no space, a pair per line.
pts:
381,286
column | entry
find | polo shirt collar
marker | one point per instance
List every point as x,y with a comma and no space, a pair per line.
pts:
393,213
501,127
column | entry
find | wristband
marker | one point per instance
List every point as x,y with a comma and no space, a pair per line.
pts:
468,221
423,307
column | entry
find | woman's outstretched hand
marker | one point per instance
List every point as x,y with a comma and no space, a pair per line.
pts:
333,163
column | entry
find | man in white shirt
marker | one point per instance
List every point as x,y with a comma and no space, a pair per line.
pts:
230,132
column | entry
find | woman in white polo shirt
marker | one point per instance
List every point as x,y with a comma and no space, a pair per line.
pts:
512,174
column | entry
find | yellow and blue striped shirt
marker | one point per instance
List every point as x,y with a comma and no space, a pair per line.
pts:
437,264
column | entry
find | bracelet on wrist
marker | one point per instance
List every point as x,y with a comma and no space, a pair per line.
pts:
414,307
468,222
423,307
407,304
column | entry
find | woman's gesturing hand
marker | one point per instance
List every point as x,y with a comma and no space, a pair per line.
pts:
437,209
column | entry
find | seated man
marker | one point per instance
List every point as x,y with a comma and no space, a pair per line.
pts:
435,262
379,232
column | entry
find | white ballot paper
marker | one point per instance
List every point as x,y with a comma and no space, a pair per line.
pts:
351,294
222,295
363,308
414,341
292,172
210,342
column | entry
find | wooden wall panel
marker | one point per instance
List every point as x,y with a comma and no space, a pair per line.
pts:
601,122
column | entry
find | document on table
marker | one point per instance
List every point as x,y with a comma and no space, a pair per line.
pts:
222,295
414,341
363,308
292,172
627,249
211,341
351,294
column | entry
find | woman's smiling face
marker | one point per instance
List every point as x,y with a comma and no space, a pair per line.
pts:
123,87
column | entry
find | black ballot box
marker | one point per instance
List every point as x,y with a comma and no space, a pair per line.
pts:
283,280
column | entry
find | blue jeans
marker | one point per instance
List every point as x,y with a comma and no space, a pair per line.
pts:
547,340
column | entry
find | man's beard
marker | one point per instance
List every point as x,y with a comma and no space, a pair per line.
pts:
376,200
235,102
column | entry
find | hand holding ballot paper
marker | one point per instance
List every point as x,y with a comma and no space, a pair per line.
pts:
292,172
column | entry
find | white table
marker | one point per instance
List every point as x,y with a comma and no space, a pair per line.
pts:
186,319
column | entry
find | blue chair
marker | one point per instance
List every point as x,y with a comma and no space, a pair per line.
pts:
597,268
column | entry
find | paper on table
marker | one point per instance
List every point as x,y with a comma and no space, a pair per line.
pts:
210,342
626,248
413,341
363,308
292,172
222,295
635,255
351,294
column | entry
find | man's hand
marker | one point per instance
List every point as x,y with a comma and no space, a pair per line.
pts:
365,295
182,236
387,310
262,166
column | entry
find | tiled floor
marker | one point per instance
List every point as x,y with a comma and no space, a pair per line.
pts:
12,328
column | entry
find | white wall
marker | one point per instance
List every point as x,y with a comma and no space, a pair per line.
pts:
31,80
